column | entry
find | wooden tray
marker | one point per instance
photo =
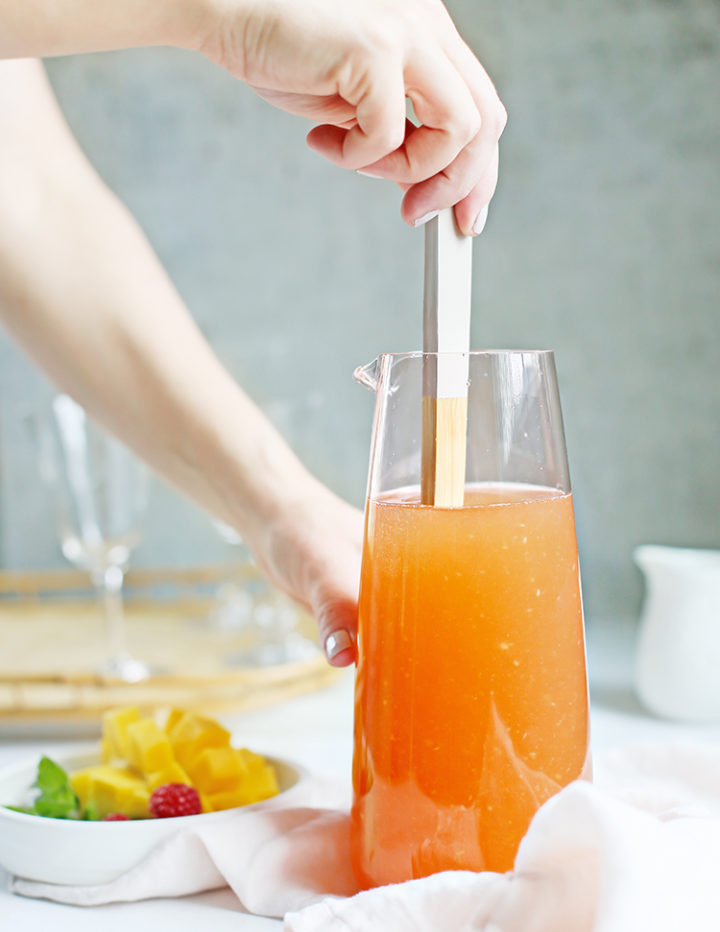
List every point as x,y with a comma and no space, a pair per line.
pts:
51,647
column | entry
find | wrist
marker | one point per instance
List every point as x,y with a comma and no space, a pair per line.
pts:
273,496
188,24
254,475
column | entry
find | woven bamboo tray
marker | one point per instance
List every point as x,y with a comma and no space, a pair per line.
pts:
51,648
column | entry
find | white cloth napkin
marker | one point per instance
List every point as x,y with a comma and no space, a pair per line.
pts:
638,850
277,856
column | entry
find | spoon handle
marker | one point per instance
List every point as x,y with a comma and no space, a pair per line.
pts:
446,330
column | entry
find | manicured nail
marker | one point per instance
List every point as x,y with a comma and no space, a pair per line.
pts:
480,221
366,174
337,642
421,221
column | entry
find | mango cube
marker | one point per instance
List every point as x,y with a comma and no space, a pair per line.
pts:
264,783
174,716
217,769
260,784
191,734
173,773
252,759
205,803
114,730
262,779
150,749
111,789
107,751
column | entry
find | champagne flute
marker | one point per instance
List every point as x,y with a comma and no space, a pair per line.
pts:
99,493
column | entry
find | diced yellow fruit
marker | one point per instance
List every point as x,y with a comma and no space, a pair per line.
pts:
266,784
107,751
191,734
253,761
149,746
174,716
216,769
189,726
174,773
80,781
262,784
114,730
134,803
111,789
229,799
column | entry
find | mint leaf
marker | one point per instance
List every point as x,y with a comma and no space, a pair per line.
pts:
91,813
21,809
57,799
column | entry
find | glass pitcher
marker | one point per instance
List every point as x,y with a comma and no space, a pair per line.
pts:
471,701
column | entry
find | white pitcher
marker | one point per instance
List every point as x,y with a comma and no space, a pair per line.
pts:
678,652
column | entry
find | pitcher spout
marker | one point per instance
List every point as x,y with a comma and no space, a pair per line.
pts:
367,375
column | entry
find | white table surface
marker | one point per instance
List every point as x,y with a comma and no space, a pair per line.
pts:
316,730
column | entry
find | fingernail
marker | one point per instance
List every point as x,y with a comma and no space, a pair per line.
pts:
337,642
480,221
367,174
425,217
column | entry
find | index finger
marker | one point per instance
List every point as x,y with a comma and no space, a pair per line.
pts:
449,119
379,101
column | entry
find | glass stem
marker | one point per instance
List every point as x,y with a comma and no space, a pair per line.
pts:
109,583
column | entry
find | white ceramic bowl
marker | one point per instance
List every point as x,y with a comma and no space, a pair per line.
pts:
68,851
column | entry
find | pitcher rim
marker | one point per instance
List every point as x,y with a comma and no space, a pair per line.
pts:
414,354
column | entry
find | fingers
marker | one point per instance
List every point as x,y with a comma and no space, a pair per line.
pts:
471,212
458,185
449,119
458,171
378,97
469,181
450,159
337,623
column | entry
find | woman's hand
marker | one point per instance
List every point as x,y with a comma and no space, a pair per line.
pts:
312,551
349,66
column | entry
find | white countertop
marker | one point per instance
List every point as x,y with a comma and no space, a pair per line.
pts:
316,730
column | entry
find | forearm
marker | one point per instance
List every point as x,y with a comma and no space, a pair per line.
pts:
82,291
43,28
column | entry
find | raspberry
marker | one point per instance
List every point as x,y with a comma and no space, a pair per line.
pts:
116,817
175,799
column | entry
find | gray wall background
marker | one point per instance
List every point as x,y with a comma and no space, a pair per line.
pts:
603,244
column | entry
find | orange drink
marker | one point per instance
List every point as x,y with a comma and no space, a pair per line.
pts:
471,695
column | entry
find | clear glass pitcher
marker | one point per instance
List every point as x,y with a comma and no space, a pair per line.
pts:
471,692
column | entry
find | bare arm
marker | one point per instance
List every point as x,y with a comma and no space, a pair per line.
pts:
348,66
83,292
43,28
